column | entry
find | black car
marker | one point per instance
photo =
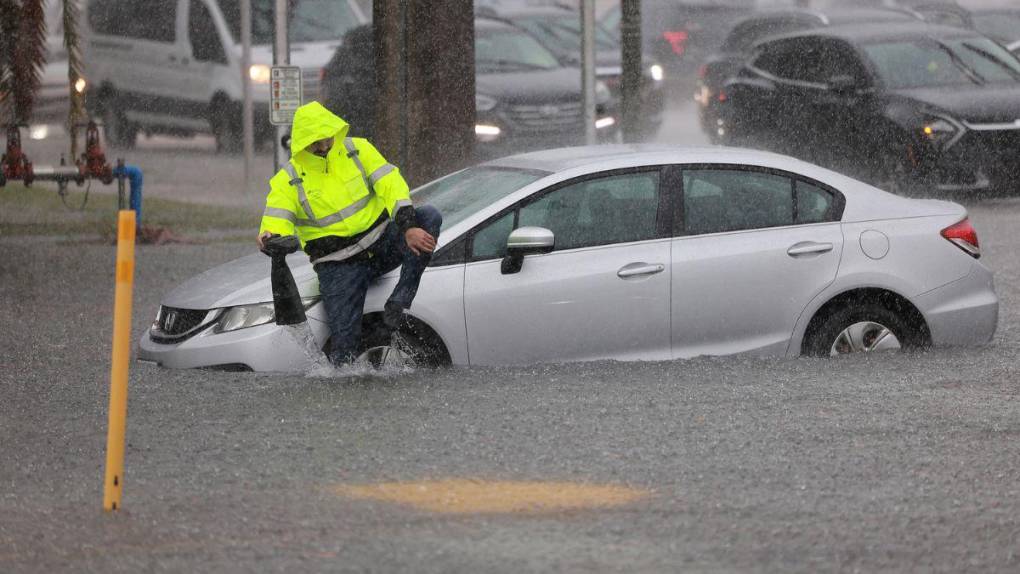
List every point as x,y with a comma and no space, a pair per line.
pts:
901,104
750,30
559,29
525,98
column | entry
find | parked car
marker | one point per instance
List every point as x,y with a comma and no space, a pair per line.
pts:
681,34
905,105
748,31
633,253
525,98
559,29
1000,20
173,66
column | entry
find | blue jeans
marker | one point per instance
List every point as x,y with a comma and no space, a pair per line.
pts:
343,284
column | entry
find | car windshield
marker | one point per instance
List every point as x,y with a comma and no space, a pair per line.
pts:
310,20
927,63
462,194
511,50
1003,26
564,34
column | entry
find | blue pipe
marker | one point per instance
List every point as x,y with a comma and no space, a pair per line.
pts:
134,175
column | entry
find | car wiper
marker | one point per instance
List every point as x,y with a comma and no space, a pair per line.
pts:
955,58
993,58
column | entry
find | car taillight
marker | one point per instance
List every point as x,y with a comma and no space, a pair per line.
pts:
964,236
677,40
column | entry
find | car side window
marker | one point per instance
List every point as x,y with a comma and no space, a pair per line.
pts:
614,209
490,241
780,59
205,40
103,18
153,20
814,204
717,200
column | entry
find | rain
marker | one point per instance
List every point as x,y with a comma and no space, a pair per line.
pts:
706,341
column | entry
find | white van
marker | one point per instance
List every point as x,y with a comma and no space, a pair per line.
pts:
173,66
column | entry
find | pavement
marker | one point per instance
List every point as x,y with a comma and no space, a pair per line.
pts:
901,462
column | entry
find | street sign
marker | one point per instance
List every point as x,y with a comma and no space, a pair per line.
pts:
284,94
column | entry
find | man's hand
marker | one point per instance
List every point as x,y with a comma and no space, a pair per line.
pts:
262,237
418,241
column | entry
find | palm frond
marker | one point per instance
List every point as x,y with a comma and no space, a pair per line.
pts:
10,15
28,59
72,43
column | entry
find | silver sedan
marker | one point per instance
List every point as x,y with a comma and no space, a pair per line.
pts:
632,253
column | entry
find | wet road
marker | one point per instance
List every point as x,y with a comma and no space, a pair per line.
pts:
883,463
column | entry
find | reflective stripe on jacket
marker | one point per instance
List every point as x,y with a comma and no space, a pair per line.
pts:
315,197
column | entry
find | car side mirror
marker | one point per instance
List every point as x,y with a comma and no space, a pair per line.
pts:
843,84
525,241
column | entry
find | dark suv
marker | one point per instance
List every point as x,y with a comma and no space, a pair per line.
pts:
900,104
525,99
750,30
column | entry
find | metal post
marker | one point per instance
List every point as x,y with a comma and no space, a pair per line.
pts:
588,69
113,483
247,111
281,57
630,84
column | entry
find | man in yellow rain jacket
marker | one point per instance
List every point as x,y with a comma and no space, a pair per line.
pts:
352,212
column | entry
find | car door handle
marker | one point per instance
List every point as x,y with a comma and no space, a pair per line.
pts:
638,269
808,248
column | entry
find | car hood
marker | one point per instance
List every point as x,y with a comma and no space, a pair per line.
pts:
980,104
307,55
242,281
532,86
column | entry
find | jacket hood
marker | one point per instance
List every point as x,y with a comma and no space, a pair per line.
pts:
313,122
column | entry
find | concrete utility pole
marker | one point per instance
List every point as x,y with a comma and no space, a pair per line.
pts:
247,111
588,69
630,88
281,57
425,85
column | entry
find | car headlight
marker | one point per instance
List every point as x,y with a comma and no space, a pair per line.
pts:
657,73
80,84
259,73
602,94
942,131
484,103
244,316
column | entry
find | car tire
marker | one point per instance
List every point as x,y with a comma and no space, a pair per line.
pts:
225,121
119,132
863,327
420,348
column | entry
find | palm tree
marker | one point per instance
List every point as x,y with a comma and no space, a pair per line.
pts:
23,55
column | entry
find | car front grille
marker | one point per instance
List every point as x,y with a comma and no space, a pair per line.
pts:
546,117
174,324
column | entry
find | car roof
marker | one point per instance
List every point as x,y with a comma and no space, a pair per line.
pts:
880,31
561,159
832,17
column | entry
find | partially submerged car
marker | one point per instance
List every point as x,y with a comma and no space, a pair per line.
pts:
632,253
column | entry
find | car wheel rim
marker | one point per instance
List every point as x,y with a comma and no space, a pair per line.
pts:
385,356
864,337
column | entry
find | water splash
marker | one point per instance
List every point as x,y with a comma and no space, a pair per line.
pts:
319,366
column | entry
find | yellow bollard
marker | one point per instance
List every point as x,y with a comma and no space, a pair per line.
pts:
121,355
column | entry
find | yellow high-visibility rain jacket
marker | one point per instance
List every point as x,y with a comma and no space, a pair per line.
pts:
338,205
